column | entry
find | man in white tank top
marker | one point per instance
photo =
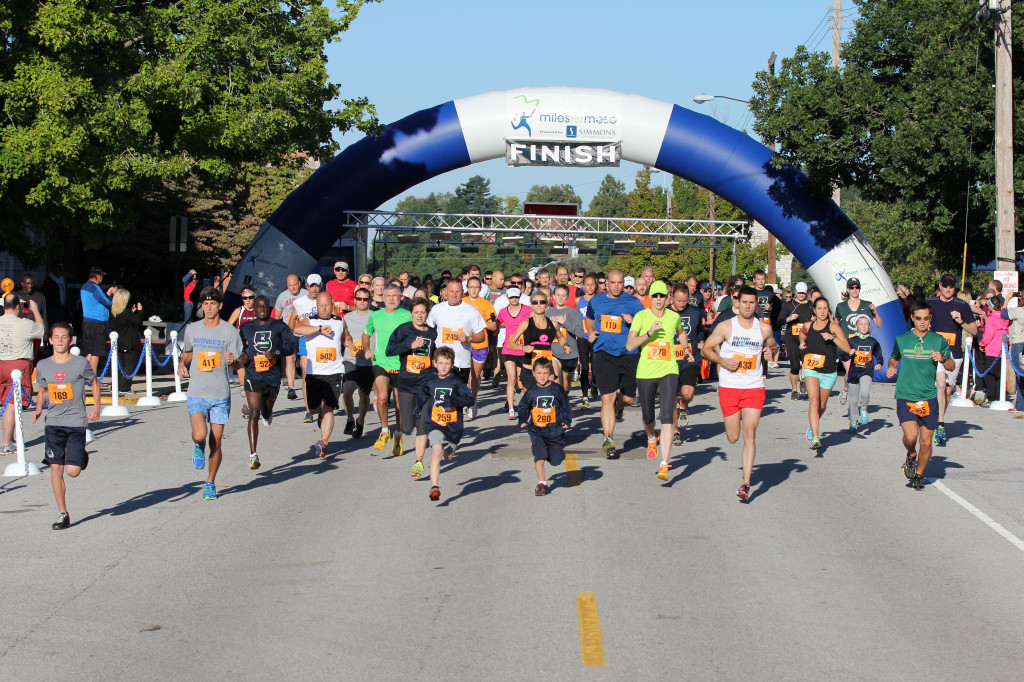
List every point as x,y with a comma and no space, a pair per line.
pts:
736,346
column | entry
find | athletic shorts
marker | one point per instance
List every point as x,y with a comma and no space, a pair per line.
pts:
569,365
613,373
7,381
732,400
950,376
436,437
94,339
302,346
362,375
391,374
551,451
825,381
323,389
793,353
214,410
689,376
65,445
666,388
526,378
406,406
462,373
516,359
265,390
931,422
480,354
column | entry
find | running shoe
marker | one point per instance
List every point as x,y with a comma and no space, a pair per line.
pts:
7,449
684,418
609,447
496,381
541,490
198,457
618,412
511,414
470,412
810,434
398,447
209,491
85,461
358,431
917,482
435,494
853,428
586,402
291,394
815,443
245,411
940,436
652,448
910,466
88,436
265,421
254,461
677,439
321,447
63,522
743,493
417,470
382,440
863,416
448,451
308,419
794,395
772,364
350,424
663,472
843,395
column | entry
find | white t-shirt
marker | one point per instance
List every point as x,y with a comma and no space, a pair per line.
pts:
448,320
325,355
500,304
304,307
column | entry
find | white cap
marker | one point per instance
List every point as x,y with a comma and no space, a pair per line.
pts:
629,282
513,292
341,264
314,279
801,287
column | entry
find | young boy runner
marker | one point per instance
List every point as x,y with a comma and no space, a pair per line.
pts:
62,380
917,406
441,399
866,358
545,413
211,348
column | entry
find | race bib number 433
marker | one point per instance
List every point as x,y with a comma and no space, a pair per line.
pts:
747,363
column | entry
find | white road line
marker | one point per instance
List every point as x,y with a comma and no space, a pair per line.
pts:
1014,540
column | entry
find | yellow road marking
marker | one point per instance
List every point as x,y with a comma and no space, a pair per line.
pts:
590,630
573,475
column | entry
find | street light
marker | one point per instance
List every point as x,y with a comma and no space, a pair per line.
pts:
701,98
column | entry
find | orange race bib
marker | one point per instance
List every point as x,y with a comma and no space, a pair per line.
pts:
950,338
262,363
920,408
814,361
325,355
542,353
747,363
450,335
797,328
680,352
414,364
611,324
658,350
543,416
442,416
862,357
356,348
60,393
208,361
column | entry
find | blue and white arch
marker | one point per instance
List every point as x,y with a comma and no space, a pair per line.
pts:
660,134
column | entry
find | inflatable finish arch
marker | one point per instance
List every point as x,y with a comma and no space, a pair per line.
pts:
660,134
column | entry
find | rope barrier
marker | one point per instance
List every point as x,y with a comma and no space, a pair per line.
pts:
1013,361
110,354
167,358
142,356
7,401
978,374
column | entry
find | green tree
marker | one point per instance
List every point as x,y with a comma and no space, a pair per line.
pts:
474,196
562,194
611,199
643,201
108,104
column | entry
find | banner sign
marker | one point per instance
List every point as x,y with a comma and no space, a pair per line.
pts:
563,117
571,154
1009,280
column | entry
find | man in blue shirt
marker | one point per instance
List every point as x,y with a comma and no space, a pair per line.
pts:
607,324
95,313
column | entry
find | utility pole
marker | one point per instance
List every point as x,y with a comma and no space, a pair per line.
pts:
1005,216
771,145
837,28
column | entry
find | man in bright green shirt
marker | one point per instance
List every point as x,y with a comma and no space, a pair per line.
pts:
383,323
917,405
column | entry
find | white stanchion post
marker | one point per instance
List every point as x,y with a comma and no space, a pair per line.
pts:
88,431
962,400
1003,405
177,396
114,409
149,400
21,467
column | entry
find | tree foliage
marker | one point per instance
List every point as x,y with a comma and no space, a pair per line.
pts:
611,199
553,194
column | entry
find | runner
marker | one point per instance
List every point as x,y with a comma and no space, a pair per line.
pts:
737,347
691,318
658,331
414,343
819,341
768,306
846,314
264,342
571,322
480,349
358,370
210,349
303,309
796,313
586,348
442,394
917,405
545,413
608,318
459,326
536,337
342,289
951,317
62,380
381,325
324,365
866,360
284,299
243,315
511,317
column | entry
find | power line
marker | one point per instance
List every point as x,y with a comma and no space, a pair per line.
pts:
824,18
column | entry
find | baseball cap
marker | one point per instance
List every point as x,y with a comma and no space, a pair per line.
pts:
340,264
705,287
96,270
513,292
948,281
314,279
658,287
629,282
852,282
801,287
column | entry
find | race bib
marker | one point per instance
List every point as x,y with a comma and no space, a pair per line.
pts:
658,350
60,393
543,416
920,408
356,348
442,416
814,361
414,364
862,357
262,363
680,352
450,335
747,363
797,328
208,361
611,324
950,338
325,355
542,353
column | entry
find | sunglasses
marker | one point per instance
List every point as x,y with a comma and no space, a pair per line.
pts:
487,279
365,281
659,295
362,298
855,286
248,298
539,302
341,269
600,281
516,283
922,319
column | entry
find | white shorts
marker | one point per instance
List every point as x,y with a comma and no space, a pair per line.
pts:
951,375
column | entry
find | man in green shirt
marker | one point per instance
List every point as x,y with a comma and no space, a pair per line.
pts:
385,367
917,405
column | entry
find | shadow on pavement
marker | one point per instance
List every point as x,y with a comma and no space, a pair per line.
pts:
483,483
767,476
300,465
938,465
691,462
573,479
148,499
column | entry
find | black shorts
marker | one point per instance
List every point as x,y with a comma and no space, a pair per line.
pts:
362,375
550,450
666,388
65,445
689,376
462,373
569,365
267,391
323,389
613,373
392,376
515,359
94,339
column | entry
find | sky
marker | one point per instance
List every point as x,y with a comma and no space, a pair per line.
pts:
408,55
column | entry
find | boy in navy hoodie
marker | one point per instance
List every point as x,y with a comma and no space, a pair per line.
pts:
441,399
544,411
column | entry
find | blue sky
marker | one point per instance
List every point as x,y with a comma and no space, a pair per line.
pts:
406,55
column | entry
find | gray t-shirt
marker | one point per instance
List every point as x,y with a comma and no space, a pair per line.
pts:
355,325
573,325
209,372
64,383
16,334
285,298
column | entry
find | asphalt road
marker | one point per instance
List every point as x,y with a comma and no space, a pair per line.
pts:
342,568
